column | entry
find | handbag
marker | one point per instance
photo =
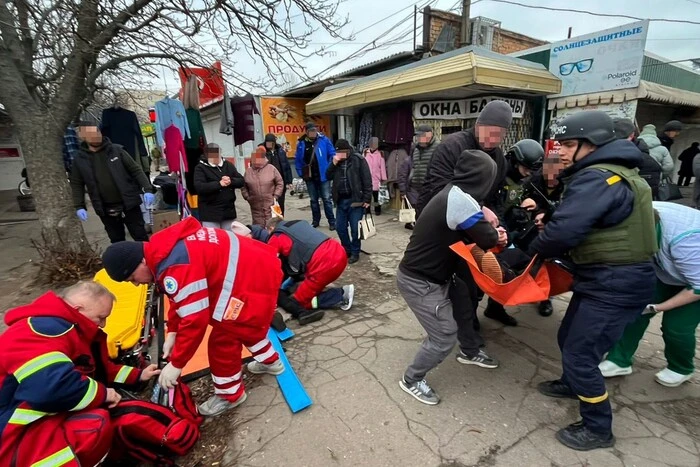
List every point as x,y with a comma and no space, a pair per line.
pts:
367,227
276,210
407,214
668,191
383,195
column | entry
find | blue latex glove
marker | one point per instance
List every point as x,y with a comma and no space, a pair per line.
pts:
149,198
82,214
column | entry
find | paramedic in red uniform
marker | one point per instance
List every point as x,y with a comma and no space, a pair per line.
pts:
212,277
54,377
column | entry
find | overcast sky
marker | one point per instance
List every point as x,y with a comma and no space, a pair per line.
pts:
674,41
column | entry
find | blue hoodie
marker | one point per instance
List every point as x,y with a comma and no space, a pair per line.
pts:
324,151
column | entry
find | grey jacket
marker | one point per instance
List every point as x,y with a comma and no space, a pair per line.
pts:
657,150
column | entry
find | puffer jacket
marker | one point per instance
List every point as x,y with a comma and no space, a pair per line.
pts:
657,150
262,187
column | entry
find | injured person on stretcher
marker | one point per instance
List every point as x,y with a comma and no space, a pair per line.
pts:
57,383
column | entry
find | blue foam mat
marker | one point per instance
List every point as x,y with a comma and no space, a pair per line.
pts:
293,391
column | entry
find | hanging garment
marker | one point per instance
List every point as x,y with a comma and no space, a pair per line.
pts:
122,127
190,93
197,138
226,116
365,131
175,150
170,112
399,125
243,109
394,162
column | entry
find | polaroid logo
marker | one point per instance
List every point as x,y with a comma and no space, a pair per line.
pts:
627,74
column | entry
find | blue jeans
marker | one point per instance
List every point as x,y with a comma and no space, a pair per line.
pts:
349,215
320,190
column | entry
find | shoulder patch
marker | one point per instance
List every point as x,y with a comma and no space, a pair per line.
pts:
613,180
170,285
49,326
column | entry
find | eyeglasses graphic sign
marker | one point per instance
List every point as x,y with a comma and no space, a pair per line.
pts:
601,61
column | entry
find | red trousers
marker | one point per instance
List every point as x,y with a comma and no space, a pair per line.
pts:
327,264
88,434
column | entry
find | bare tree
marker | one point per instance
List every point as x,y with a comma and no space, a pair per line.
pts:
56,54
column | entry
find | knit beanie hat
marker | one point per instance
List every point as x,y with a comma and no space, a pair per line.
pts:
270,137
343,145
121,259
496,113
475,173
624,127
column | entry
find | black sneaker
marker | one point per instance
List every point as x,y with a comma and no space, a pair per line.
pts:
331,227
310,316
421,391
545,308
556,388
495,310
353,259
581,438
481,359
408,226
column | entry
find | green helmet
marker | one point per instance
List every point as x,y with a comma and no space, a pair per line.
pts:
528,153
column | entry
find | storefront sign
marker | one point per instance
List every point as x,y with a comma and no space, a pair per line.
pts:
603,61
462,108
286,118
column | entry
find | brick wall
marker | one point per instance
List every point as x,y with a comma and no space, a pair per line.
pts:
504,41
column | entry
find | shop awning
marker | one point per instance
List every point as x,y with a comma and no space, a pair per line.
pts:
461,73
646,90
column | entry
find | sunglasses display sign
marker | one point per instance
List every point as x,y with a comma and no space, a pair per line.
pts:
462,108
602,61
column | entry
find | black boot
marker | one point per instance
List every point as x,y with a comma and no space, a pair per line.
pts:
545,308
409,225
278,322
556,388
309,316
495,310
581,438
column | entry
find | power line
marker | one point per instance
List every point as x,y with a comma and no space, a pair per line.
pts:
592,13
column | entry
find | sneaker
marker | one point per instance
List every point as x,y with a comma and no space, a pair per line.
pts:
556,388
545,308
348,295
581,438
310,316
353,259
495,311
274,369
408,226
610,369
670,378
481,359
215,405
421,391
331,227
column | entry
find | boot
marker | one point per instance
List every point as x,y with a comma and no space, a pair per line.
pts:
556,388
581,438
495,310
545,308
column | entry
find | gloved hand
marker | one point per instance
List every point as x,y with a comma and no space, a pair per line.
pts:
650,310
169,344
168,376
149,199
82,214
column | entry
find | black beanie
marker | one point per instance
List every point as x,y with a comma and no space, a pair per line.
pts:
624,127
343,145
271,138
496,113
475,173
121,259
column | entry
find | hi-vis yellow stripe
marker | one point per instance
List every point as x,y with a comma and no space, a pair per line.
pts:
39,363
88,397
594,400
26,416
613,180
58,459
123,374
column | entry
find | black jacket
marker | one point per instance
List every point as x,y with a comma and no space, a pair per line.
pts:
686,158
278,158
128,176
444,160
359,177
216,203
650,170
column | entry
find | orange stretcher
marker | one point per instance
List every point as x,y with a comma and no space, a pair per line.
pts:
548,281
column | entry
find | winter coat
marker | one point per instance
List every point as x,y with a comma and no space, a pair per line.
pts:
128,176
687,157
359,177
278,158
216,203
377,167
323,150
657,150
262,187
650,169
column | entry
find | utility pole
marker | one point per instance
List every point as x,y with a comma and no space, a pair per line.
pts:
465,37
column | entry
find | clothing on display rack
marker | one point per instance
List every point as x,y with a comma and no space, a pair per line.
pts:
122,127
190,93
365,131
197,138
170,112
226,117
243,109
393,163
399,125
175,150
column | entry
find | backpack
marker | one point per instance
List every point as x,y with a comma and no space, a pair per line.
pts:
150,432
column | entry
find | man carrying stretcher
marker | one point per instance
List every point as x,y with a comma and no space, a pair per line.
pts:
212,277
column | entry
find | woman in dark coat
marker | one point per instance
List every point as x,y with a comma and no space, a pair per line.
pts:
216,180
686,158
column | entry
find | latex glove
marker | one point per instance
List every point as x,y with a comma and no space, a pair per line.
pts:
169,344
149,198
149,372
82,214
168,376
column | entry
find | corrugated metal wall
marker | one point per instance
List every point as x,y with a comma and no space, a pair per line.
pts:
659,72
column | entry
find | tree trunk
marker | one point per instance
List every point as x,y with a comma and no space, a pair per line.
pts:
42,138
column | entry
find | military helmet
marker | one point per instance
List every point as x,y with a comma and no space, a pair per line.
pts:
593,126
528,153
